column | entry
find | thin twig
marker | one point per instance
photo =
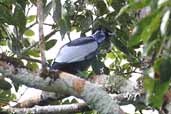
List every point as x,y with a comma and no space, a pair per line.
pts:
31,25
36,43
31,59
49,24
50,34
29,9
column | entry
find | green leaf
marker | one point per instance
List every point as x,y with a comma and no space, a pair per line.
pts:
7,2
121,45
63,28
31,18
84,74
49,44
32,66
6,15
6,96
110,55
109,2
22,3
26,42
164,69
86,21
150,48
4,84
159,90
65,25
101,7
133,6
152,27
3,42
19,17
149,84
29,33
34,53
56,10
47,9
146,27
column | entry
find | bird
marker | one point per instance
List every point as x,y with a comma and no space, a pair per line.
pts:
77,55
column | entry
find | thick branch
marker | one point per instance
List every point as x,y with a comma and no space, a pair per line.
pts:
129,94
64,83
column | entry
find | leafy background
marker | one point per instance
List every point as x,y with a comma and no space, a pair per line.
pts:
142,42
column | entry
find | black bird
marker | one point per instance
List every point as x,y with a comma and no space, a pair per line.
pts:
78,54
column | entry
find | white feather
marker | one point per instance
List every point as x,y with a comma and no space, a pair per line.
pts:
69,54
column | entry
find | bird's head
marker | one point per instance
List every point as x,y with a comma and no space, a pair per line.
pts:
102,34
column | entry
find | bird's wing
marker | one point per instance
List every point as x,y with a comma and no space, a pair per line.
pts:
81,41
76,51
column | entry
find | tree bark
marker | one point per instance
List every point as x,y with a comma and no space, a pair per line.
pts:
59,109
65,84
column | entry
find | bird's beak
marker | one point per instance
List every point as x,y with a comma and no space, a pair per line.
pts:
112,34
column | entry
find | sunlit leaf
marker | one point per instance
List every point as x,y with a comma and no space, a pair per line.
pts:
149,85
84,74
3,42
109,2
110,55
32,66
31,18
165,22
34,53
29,33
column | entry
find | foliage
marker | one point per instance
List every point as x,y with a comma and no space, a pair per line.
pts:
152,32
134,30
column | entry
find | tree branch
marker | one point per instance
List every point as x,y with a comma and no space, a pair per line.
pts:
31,25
78,107
41,35
58,109
129,95
64,83
36,43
